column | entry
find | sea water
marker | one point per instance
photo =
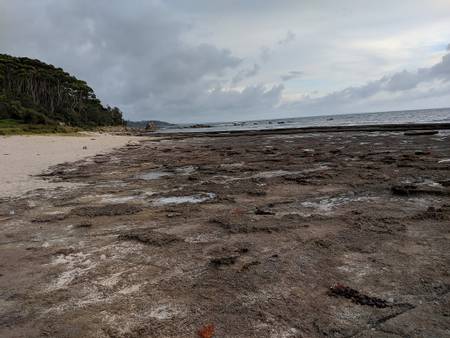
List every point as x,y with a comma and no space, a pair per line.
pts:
393,117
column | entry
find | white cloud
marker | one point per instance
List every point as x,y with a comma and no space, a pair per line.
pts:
397,91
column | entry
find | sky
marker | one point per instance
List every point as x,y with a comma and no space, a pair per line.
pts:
210,60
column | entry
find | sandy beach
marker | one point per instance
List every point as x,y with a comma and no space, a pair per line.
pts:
256,235
24,157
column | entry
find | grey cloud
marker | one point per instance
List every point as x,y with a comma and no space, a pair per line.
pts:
292,75
439,71
266,52
133,56
290,36
247,98
250,102
245,74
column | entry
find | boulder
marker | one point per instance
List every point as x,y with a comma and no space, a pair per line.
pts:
151,126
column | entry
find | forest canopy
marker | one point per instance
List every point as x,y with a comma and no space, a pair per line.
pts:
37,93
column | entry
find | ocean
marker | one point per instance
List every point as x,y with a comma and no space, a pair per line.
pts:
393,117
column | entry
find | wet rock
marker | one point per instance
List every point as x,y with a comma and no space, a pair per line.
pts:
149,237
297,178
434,213
47,218
244,226
101,159
356,297
64,251
300,221
151,126
248,265
421,132
13,318
199,125
413,189
255,192
263,211
388,159
422,152
242,250
51,173
134,144
173,214
322,243
83,224
107,210
384,225
229,260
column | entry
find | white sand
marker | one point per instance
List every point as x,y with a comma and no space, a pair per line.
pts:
21,157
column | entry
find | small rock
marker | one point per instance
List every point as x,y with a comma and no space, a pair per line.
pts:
229,260
151,126
263,211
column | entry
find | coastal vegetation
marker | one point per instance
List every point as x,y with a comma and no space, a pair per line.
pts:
36,96
14,127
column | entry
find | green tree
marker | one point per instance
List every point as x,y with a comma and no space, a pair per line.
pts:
37,93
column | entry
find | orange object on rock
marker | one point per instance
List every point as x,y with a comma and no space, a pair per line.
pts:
206,331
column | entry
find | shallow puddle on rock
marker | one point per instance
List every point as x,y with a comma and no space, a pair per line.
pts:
202,238
328,205
424,182
184,199
319,168
268,174
109,184
185,170
112,199
164,312
154,175
120,199
232,165
275,173
279,173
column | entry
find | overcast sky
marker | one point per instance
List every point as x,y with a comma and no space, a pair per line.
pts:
206,60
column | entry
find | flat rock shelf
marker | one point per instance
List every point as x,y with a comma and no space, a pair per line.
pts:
307,234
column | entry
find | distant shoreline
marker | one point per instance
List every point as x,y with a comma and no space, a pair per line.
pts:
325,129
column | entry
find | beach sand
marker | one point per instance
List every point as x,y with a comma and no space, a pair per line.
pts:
23,157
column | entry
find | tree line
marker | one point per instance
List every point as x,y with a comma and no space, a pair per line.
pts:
37,93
